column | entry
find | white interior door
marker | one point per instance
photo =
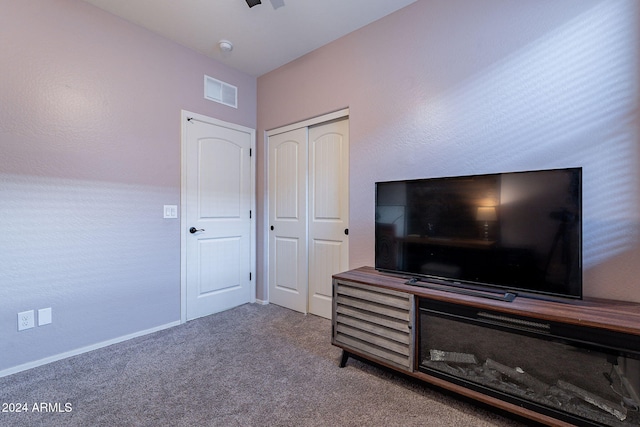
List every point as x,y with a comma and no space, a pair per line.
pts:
328,211
218,212
288,270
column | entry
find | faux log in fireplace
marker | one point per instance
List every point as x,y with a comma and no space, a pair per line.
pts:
561,370
573,363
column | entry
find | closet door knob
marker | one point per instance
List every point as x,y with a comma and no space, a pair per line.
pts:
193,230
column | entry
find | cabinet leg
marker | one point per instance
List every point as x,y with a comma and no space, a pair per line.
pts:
343,359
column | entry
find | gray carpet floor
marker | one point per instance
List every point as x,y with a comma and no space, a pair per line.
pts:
250,366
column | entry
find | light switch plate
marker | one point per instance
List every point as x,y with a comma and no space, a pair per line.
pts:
44,316
170,211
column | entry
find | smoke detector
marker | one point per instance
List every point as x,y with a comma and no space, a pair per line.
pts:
225,46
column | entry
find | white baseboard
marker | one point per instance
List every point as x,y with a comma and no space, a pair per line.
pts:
261,302
86,349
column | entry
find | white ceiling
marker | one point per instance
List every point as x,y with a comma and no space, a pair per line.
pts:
264,37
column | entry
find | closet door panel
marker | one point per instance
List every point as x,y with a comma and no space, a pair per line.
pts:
328,210
288,265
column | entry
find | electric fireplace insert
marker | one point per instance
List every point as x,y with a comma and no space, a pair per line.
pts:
577,374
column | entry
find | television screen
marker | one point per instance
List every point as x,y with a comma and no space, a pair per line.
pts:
518,231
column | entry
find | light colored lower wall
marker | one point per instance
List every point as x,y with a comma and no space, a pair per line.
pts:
78,351
458,87
89,154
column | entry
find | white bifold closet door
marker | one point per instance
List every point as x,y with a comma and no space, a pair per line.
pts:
308,214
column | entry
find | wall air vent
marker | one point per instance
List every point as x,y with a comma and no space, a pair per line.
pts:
224,93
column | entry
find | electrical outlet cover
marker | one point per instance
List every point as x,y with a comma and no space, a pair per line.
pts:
26,320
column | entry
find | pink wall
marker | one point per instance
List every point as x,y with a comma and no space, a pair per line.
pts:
89,154
452,87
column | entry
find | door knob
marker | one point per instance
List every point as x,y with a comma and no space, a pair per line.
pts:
346,231
193,230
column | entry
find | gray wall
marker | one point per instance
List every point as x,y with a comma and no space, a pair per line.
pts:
89,154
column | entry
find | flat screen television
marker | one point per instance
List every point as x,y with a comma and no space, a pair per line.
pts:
517,232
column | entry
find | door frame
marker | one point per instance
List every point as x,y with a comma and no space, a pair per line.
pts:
335,115
185,116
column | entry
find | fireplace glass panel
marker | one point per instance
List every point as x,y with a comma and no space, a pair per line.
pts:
562,377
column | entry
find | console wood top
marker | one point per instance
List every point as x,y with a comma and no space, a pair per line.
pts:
619,316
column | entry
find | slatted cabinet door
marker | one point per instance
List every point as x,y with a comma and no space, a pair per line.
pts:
374,322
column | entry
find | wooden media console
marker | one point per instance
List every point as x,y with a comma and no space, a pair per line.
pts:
573,362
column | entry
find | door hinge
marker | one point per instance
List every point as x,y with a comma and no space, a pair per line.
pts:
249,275
250,152
249,214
